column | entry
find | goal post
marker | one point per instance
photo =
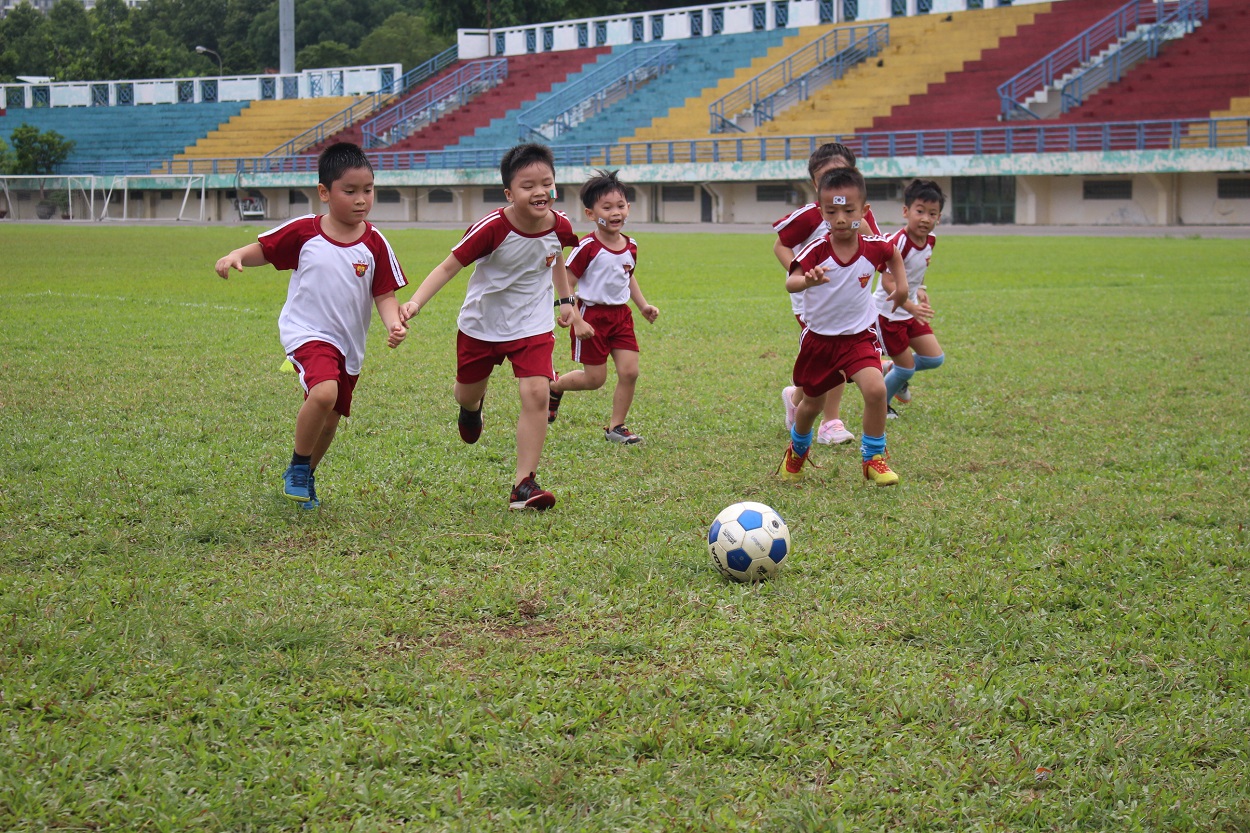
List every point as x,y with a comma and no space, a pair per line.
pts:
187,183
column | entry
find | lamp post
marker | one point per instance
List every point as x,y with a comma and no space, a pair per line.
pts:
205,50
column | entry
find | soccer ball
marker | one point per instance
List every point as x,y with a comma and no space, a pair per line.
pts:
748,542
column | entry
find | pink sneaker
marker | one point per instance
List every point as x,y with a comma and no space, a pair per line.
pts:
787,396
833,432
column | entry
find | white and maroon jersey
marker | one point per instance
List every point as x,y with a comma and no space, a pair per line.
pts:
915,262
330,297
510,294
603,274
801,228
843,306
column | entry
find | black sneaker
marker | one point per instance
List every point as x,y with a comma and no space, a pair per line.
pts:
529,495
470,422
890,413
553,404
621,434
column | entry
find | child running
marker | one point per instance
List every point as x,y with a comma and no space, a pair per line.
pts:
839,342
794,231
506,313
602,267
906,330
342,266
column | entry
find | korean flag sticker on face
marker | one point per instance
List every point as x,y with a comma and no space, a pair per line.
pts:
839,200
854,223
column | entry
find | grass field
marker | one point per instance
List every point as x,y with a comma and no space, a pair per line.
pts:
1059,581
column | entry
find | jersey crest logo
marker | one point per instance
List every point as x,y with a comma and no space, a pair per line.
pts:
864,279
551,258
629,270
361,268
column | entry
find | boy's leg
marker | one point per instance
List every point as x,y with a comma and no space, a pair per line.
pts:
832,430
590,377
928,352
903,368
469,396
801,436
310,425
872,446
531,426
626,362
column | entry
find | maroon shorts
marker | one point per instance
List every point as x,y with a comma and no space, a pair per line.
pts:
825,362
896,336
530,356
320,361
614,330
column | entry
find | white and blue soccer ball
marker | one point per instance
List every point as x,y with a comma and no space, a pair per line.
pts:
748,542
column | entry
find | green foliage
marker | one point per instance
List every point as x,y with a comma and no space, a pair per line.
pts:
8,160
38,152
1060,580
402,38
327,53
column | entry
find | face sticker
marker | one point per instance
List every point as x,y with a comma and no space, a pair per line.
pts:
839,200
602,222
552,193
854,223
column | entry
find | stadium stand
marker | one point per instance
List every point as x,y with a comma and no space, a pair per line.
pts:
1195,76
263,126
529,76
144,132
922,51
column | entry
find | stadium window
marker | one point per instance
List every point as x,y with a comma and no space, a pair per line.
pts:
1107,189
493,196
297,197
386,196
167,195
898,8
883,191
773,193
629,193
1233,189
976,4
677,193
440,196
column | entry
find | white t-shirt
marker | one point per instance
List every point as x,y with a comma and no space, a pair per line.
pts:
915,262
510,294
603,274
330,296
801,228
843,306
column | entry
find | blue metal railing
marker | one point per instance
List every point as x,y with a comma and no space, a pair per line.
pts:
1141,46
795,77
348,116
1009,139
433,101
1045,71
594,91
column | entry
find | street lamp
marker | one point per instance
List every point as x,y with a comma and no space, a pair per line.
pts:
205,50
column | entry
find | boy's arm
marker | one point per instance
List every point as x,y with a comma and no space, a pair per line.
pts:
439,277
785,255
635,294
249,255
388,311
800,279
560,280
895,268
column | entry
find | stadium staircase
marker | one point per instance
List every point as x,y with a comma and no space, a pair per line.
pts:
702,65
1193,77
529,76
145,132
969,96
923,50
263,126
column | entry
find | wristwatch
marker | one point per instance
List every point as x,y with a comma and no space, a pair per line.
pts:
562,301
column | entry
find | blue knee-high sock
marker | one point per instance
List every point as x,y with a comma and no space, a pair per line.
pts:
801,442
929,362
870,446
895,379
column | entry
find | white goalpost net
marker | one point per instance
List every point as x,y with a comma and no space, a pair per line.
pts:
45,196
187,183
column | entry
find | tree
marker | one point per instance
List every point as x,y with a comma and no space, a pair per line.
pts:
7,160
25,48
402,38
38,153
325,54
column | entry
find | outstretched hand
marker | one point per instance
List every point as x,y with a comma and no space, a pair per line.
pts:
816,276
231,261
650,313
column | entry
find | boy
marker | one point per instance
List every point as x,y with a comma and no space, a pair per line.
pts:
341,263
602,267
794,231
906,330
839,342
507,307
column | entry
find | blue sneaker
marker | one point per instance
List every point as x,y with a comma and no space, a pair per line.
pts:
312,503
295,483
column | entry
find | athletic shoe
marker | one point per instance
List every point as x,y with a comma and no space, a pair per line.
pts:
904,393
791,467
470,422
529,495
553,404
886,366
878,472
890,413
312,503
621,434
295,483
833,432
787,396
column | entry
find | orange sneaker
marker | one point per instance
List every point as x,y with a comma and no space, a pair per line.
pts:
878,472
791,467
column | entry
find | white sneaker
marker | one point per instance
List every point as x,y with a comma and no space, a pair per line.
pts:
833,432
904,394
886,366
787,396
890,413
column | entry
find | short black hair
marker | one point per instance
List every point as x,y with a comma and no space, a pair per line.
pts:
599,186
338,159
522,156
844,177
924,190
830,150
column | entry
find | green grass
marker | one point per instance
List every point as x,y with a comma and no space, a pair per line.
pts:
1060,580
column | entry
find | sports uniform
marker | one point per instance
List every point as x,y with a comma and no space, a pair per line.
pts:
802,227
603,277
898,326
